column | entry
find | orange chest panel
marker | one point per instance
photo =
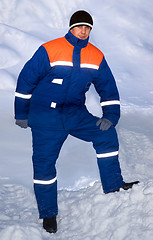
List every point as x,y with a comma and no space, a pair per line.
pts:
60,50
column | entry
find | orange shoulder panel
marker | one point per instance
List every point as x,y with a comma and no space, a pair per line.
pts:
59,50
91,55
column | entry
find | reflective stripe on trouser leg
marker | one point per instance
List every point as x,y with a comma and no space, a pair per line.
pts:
46,182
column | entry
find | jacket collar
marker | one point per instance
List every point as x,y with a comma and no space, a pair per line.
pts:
76,41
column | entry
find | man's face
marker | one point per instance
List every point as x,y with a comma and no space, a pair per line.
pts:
81,32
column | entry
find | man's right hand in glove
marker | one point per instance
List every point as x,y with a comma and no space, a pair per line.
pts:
22,123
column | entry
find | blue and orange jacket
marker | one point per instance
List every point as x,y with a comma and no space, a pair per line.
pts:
60,73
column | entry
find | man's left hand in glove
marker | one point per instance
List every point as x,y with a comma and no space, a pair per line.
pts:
104,124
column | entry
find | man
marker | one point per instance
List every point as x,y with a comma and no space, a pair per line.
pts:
50,99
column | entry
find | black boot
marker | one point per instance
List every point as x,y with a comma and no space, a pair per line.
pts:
50,224
127,186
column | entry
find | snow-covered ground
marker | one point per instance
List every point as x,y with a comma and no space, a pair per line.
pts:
123,31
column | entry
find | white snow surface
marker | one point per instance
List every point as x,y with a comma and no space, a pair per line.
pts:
123,31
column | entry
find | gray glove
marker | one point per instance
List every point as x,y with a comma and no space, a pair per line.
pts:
104,123
22,123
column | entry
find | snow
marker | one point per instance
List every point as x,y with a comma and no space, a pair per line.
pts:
123,31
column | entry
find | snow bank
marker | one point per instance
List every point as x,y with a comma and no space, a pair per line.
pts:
84,214
23,233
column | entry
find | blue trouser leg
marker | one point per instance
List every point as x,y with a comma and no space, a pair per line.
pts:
107,157
46,148
106,146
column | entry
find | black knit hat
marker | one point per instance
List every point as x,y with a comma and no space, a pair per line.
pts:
81,17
